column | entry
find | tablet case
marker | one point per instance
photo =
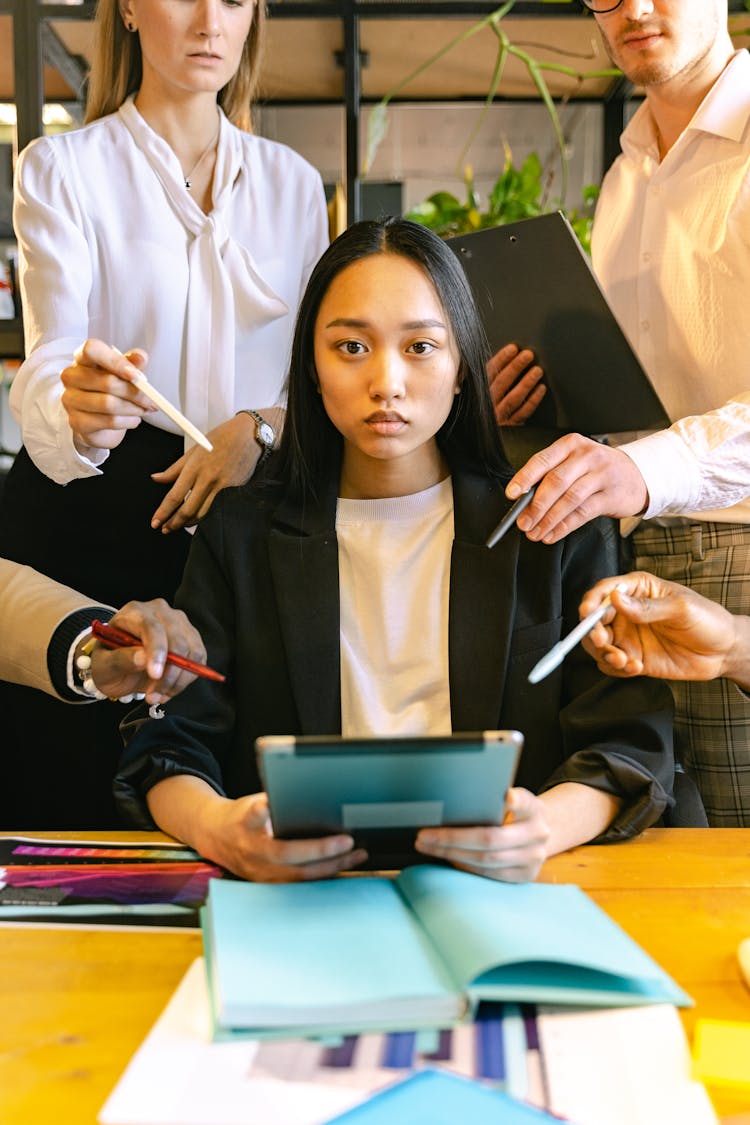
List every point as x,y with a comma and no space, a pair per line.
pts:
534,287
382,790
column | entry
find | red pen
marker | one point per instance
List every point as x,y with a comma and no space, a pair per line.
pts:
113,637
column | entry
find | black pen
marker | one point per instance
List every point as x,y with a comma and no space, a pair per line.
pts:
511,516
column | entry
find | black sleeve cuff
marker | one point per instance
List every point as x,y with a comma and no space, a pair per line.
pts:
63,637
644,797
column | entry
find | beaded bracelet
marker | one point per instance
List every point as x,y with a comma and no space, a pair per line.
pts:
88,687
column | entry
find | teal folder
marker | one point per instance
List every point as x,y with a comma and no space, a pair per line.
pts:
433,1097
367,953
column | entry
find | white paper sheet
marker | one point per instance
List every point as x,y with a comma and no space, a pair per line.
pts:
179,1077
625,1066
606,1067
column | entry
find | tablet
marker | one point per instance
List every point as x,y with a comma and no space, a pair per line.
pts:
534,287
374,787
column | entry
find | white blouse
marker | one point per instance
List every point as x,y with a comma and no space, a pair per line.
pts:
113,246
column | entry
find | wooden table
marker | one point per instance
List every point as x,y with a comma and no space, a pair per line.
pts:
75,1004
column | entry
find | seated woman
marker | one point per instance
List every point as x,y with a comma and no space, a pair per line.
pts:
350,590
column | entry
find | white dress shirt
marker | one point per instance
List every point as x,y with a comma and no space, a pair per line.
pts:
671,248
112,245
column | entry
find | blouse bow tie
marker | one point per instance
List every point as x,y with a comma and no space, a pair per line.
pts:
226,290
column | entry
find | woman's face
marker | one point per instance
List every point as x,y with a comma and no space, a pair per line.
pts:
192,46
387,367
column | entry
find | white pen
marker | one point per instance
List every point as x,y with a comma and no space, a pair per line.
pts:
140,381
557,654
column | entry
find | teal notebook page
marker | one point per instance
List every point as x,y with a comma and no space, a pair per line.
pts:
433,1097
533,941
334,955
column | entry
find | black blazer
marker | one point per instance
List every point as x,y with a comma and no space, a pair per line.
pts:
261,584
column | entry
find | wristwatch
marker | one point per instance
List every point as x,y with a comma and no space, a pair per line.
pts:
265,435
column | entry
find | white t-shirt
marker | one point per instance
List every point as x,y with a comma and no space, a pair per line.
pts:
394,583
112,245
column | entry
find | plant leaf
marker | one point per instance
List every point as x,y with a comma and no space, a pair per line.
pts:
377,128
538,80
497,74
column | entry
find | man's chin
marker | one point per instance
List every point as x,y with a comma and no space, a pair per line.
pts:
647,74
646,70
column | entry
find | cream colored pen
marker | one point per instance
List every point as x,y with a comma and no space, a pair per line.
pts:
141,382
557,654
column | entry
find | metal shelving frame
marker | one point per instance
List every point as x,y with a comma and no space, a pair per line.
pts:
29,17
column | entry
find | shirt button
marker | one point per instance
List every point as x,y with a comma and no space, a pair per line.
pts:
645,325
646,256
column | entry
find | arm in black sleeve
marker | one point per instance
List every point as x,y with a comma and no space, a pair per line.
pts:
617,734
196,734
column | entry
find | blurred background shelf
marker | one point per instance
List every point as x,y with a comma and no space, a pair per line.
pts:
344,54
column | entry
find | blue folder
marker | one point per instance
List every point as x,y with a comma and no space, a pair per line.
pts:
432,1097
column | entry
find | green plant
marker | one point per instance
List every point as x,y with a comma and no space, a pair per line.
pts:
582,218
518,193
378,124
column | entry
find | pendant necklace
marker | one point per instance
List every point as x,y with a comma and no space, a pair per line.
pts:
202,157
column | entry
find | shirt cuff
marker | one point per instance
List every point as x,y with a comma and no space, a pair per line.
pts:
36,402
670,472
49,443
93,459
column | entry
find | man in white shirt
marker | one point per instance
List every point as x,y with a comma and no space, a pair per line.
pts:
670,248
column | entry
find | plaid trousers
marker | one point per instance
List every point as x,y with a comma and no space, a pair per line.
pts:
712,720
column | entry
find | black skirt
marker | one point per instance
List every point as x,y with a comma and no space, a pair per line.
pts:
93,534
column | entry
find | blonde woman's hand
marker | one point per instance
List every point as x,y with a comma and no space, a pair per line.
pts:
99,398
198,476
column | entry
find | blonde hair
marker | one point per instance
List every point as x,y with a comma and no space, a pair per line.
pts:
117,66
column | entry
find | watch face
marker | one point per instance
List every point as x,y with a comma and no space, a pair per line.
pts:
266,434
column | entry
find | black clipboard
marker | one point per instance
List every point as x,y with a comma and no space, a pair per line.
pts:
534,287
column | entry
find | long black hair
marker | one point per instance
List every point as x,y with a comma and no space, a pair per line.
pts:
311,444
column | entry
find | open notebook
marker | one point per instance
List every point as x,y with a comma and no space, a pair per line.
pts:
420,950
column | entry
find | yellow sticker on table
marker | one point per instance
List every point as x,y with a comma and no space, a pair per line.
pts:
721,1052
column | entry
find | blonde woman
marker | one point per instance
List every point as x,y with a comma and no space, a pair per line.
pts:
164,236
